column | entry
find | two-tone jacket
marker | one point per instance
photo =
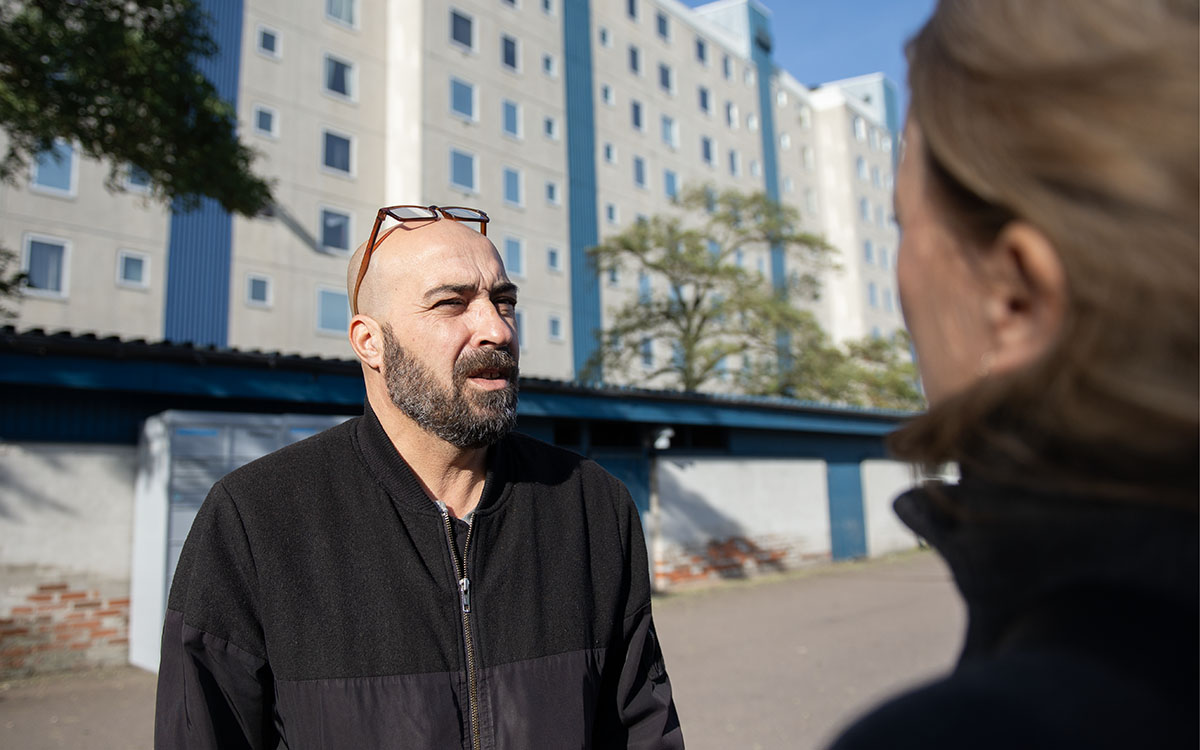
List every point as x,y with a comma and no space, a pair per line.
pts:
323,600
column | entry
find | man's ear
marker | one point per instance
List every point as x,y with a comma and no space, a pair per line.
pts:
1027,296
366,338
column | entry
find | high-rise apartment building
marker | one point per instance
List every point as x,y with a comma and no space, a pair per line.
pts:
564,120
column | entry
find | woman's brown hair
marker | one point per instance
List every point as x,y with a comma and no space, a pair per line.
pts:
1081,117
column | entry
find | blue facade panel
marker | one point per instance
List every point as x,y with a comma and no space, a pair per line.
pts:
586,319
200,243
847,527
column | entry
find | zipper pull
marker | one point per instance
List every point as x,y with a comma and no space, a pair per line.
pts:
464,593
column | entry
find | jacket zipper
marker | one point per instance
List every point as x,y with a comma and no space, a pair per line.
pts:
464,599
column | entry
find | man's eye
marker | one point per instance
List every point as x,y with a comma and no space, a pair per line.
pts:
448,303
506,302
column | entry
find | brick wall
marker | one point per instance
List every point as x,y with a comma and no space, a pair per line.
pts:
58,624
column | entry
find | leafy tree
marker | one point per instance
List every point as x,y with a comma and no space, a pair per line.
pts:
876,372
710,307
120,78
10,281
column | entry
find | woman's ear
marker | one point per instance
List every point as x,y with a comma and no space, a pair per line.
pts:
366,338
1027,296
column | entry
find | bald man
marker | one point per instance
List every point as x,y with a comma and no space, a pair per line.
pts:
420,576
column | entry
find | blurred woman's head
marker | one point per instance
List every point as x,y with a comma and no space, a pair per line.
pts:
1049,199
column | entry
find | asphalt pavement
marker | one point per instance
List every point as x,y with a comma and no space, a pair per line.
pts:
772,663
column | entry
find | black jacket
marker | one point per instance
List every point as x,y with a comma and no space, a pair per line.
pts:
1082,626
317,604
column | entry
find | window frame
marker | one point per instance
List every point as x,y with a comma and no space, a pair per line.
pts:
322,210
554,262
473,116
473,188
72,190
519,175
323,289
473,47
639,172
273,133
249,301
516,66
517,269
553,186
121,281
353,23
519,134
351,94
64,290
554,321
277,53
352,172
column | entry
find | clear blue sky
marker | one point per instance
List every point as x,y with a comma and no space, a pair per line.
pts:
824,40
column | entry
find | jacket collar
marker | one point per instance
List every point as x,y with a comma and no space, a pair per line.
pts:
1012,551
397,477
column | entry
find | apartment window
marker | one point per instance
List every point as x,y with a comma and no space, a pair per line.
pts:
727,67
548,7
258,290
631,9
269,42
511,116
510,3
462,29
342,10
706,150
554,259
868,252
755,168
606,94
639,172
462,98
806,117
872,294
635,60
883,258
509,52
610,153
556,333
875,177
647,350
752,122
670,131
860,129
464,172
610,213
514,256
735,164
635,114
512,186
133,269
701,51
739,258
337,152
550,128
333,311
785,141
879,216
748,76
552,193
864,209
614,276
705,100
810,200
662,25
44,264
605,37
339,76
54,170
807,157
874,139
549,65
731,115
887,300
860,167
519,320
781,98
671,184
666,79
644,289
885,142
789,185
335,230
266,121
137,178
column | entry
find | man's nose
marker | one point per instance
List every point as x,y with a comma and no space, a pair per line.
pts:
492,328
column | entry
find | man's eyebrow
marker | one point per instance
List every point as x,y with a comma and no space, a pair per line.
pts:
506,287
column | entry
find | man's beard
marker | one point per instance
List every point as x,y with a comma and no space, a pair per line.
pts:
463,418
